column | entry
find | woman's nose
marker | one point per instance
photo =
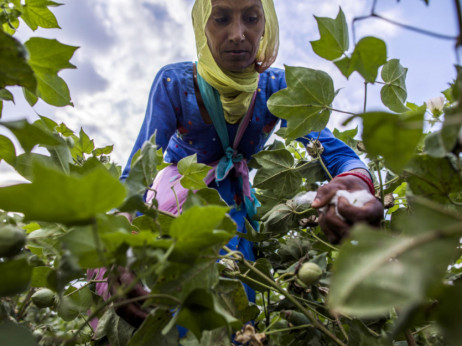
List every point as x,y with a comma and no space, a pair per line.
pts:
236,33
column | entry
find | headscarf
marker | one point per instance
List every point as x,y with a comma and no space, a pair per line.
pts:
235,88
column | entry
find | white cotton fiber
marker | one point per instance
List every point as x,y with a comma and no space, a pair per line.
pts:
356,198
305,198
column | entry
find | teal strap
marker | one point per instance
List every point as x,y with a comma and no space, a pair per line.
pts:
212,102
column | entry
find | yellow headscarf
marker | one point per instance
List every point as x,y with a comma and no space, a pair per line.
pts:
235,89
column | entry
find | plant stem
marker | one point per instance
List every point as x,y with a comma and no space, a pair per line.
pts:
339,324
409,338
325,243
294,301
339,111
303,326
382,194
365,95
150,296
25,304
177,201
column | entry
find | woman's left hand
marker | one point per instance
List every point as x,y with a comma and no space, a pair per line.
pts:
332,225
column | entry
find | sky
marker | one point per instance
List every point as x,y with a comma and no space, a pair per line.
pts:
124,43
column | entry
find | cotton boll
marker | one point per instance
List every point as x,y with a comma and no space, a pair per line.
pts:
356,198
305,198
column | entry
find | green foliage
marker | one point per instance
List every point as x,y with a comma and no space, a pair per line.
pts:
306,102
334,37
377,287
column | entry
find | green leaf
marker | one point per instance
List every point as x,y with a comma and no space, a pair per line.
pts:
393,136
434,178
376,271
16,276
81,242
35,13
370,53
200,312
39,276
144,167
334,37
150,332
15,334
103,151
30,135
193,173
277,172
449,313
82,145
305,102
203,197
264,266
47,58
5,95
344,66
7,150
30,97
14,69
56,197
394,93
74,302
197,229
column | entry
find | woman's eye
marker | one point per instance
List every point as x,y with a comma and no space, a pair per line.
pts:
221,20
251,19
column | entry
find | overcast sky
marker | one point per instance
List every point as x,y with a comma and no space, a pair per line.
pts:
124,43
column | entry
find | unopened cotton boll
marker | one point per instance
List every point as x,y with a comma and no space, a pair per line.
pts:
356,198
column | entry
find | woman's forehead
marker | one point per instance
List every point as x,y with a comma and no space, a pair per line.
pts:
236,3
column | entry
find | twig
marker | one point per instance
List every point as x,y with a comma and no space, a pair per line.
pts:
339,324
294,301
303,326
365,97
409,338
325,243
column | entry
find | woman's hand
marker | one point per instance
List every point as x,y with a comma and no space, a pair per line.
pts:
332,225
131,312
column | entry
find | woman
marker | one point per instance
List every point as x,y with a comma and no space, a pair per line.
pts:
198,109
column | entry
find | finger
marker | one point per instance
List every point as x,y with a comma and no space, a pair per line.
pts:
132,314
334,228
325,194
372,211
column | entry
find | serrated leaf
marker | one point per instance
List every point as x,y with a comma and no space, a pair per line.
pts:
30,135
35,13
305,102
47,58
193,173
7,150
277,172
393,136
370,53
56,197
394,93
334,37
14,69
376,271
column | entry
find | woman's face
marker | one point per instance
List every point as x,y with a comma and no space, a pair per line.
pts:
234,31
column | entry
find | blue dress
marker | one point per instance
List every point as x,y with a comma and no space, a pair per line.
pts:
173,112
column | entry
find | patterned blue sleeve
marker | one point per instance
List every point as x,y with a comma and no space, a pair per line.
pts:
337,156
160,118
